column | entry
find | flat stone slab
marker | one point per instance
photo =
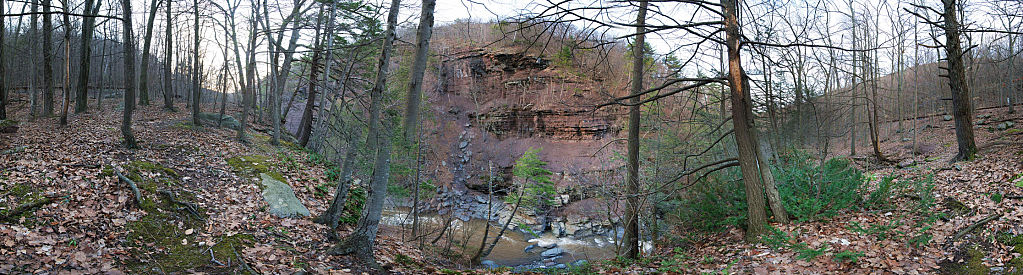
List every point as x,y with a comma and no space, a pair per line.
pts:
281,198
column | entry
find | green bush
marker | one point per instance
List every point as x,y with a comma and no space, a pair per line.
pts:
714,204
848,256
353,206
539,190
811,192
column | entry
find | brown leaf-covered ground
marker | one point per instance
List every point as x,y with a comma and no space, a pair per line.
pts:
91,224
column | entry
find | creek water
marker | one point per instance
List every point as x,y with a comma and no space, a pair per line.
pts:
511,249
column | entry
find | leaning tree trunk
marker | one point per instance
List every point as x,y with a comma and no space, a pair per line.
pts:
129,76
88,26
957,81
631,240
361,241
742,120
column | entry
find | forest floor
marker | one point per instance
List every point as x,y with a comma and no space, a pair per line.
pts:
200,211
967,220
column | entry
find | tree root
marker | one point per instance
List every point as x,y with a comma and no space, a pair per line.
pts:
191,207
25,208
973,226
131,183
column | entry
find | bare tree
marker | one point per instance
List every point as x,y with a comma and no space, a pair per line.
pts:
129,73
88,27
196,78
47,60
168,83
631,240
146,45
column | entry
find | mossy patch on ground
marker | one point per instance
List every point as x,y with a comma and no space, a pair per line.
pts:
253,165
970,262
1016,242
22,194
168,248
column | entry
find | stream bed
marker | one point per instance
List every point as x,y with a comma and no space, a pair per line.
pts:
516,247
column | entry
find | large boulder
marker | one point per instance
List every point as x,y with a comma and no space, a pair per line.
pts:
281,198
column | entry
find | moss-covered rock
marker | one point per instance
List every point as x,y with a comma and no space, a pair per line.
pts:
281,198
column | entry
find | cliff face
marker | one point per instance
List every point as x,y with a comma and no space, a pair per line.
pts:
492,106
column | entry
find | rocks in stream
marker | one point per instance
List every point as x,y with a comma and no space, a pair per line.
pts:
489,264
553,252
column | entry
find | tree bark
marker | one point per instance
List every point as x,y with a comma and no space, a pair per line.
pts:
196,78
742,120
88,27
3,65
957,82
47,60
630,244
129,76
168,84
361,241
415,92
144,66
67,65
305,127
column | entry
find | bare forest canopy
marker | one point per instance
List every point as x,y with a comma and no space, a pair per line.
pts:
464,137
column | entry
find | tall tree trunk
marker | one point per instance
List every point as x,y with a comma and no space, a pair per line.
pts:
168,84
361,241
630,244
146,44
957,82
196,78
415,94
250,74
129,76
47,60
33,45
88,27
305,127
418,68
3,65
67,64
742,121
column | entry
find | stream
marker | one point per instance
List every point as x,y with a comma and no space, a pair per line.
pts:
511,250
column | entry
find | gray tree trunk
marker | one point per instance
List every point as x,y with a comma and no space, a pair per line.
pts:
631,240
361,241
129,76
88,26
47,60
415,91
168,81
742,121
